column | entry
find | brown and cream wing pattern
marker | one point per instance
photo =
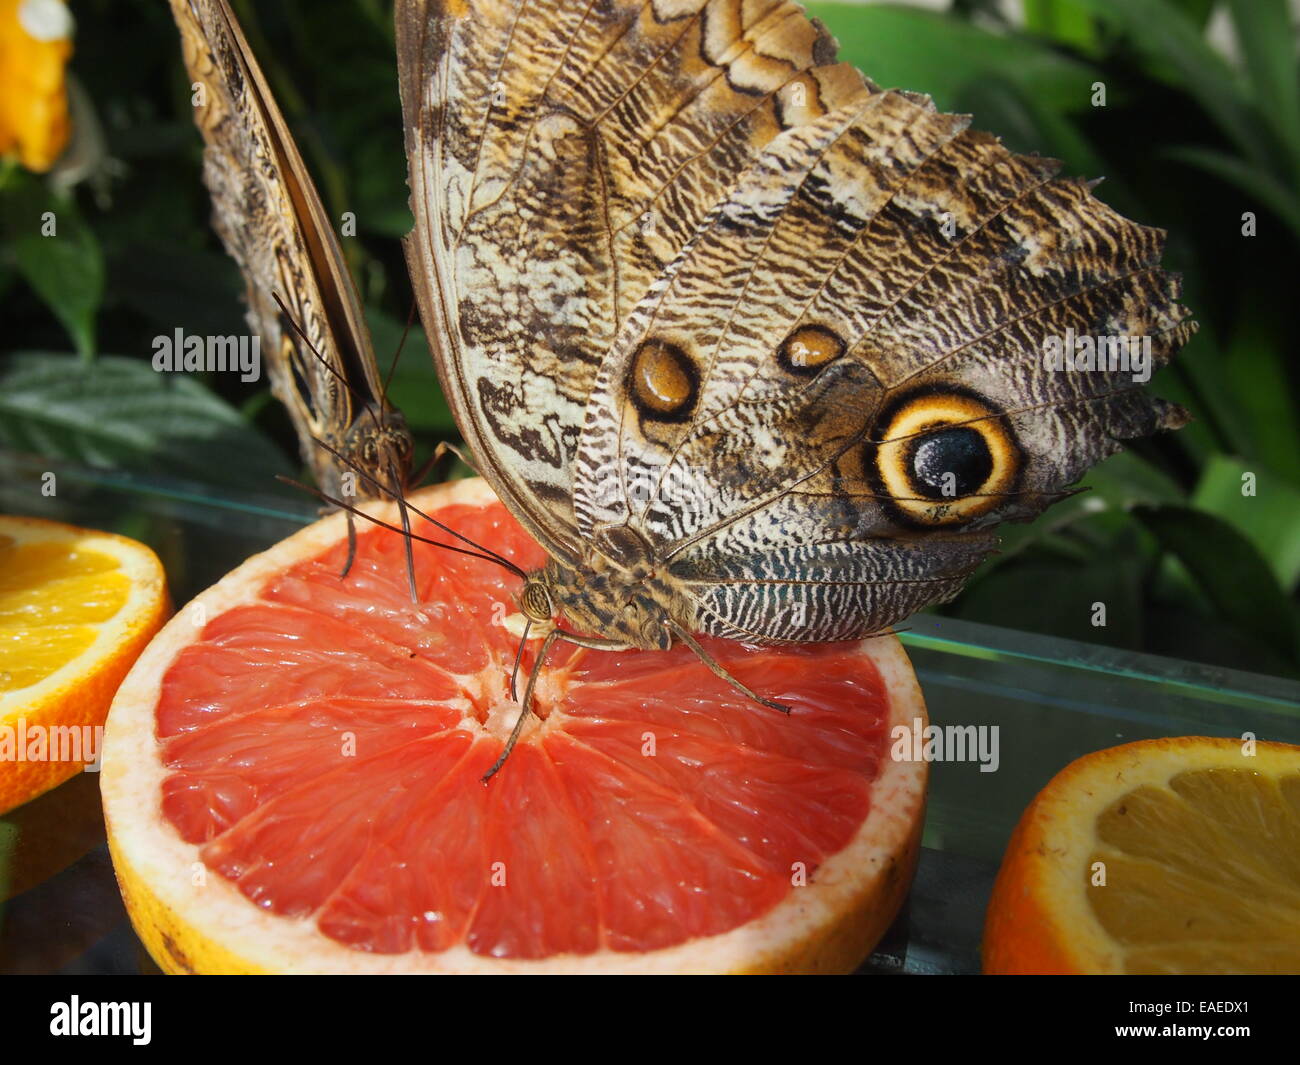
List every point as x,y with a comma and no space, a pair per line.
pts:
837,388
270,217
561,155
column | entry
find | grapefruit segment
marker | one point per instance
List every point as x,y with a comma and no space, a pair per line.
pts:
296,656
317,749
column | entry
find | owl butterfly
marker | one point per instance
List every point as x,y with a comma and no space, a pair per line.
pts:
752,347
301,298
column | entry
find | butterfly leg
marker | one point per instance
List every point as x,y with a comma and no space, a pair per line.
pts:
445,448
720,671
406,533
352,547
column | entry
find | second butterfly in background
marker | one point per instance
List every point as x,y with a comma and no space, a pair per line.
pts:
302,301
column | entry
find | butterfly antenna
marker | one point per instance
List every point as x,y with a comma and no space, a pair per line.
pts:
327,498
392,367
361,400
487,552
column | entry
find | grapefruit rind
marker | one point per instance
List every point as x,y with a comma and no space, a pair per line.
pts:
1040,921
192,920
79,693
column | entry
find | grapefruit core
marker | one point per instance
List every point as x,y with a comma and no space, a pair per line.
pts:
291,780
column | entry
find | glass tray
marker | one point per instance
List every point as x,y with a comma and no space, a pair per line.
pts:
1052,701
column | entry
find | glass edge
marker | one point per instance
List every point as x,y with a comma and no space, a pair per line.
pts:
930,632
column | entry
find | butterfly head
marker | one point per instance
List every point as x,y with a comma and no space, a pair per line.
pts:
535,600
382,450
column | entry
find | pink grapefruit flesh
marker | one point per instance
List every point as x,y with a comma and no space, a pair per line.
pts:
317,743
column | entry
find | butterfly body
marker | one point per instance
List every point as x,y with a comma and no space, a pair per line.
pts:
628,605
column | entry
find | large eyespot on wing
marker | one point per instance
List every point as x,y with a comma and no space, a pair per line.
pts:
778,393
943,456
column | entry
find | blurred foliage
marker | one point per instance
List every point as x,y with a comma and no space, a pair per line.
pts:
1192,540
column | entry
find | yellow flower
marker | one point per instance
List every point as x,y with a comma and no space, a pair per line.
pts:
35,43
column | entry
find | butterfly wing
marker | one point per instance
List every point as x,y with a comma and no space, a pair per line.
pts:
840,384
272,222
561,155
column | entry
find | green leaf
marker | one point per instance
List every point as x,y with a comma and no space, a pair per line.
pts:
1171,41
170,284
901,47
1064,21
1267,190
415,391
120,413
1125,480
57,254
1026,125
1230,571
1268,517
1198,11
1198,379
1259,376
1239,389
1268,46
1038,592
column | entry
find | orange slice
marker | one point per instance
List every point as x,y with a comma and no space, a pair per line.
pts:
292,780
76,608
1165,856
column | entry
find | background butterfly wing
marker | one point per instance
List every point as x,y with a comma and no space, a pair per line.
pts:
878,275
561,154
270,218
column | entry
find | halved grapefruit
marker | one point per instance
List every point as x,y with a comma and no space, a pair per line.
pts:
292,780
